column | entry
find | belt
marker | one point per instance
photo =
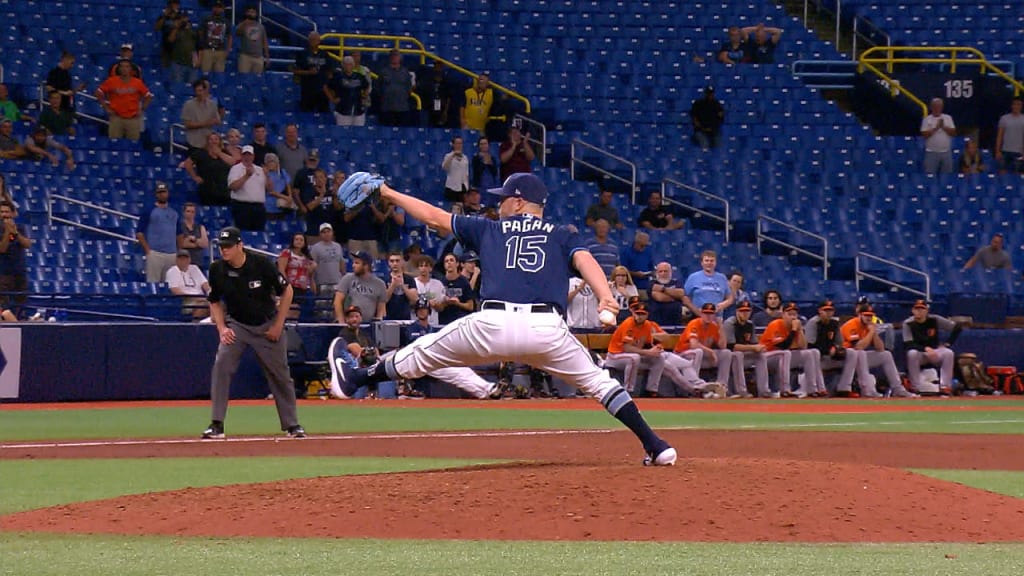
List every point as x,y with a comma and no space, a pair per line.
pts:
512,307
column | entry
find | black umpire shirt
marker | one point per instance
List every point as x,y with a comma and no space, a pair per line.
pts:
247,292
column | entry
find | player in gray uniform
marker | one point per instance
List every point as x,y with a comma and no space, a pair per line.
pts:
527,263
242,291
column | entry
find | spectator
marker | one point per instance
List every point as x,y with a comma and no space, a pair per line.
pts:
921,339
124,97
186,279
438,90
396,85
157,233
760,43
707,286
623,289
253,49
582,311
603,209
772,309
184,57
330,261
427,286
346,90
485,171
59,80
310,73
248,184
747,352
357,59
233,146
970,160
214,41
707,116
704,344
293,154
361,225
261,146
938,131
1010,138
470,205
40,142
8,109
657,216
787,333
991,257
280,201
209,169
10,148
127,52
823,333
515,153
666,296
732,50
602,248
401,290
736,288
459,299
477,107
165,25
361,288
192,235
296,264
313,197
5,194
861,333
469,267
390,220
58,121
351,331
14,241
199,114
639,260
456,168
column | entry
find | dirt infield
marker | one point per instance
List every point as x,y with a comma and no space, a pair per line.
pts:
728,486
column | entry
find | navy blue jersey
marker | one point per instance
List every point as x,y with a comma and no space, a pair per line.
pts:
457,288
524,259
415,330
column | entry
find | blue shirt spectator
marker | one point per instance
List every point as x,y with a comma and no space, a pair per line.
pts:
604,250
639,260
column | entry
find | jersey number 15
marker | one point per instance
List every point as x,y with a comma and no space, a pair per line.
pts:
525,253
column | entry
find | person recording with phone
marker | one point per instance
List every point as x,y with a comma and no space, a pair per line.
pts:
456,167
515,152
13,244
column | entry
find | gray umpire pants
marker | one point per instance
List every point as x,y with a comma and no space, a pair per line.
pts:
273,358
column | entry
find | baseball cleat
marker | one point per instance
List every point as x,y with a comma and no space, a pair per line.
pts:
666,457
296,432
341,373
214,431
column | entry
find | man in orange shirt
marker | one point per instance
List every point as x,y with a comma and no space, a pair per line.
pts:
124,97
703,343
861,333
633,345
787,333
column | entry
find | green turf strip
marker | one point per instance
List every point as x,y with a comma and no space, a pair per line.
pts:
1002,482
337,417
45,555
29,484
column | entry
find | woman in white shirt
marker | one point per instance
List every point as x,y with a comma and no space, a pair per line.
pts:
623,289
456,167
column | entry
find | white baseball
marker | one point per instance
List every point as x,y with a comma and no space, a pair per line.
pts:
606,317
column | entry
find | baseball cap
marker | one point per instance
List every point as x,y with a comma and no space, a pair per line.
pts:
184,253
326,226
421,303
791,307
37,128
5,121
637,305
708,307
865,311
363,255
826,305
127,46
920,304
314,153
229,236
160,187
523,185
352,309
744,305
469,256
248,149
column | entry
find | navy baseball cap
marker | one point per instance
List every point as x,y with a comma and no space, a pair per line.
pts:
229,236
469,256
364,256
421,303
523,185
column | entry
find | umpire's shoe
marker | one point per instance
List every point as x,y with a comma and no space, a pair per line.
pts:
342,374
215,431
662,455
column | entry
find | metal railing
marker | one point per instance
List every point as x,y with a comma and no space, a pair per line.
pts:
542,141
577,143
173,145
762,237
831,73
859,26
859,273
51,217
289,11
44,102
960,56
725,203
856,31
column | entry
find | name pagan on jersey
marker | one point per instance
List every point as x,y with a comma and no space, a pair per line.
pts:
527,225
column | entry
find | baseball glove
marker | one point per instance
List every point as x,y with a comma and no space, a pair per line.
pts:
359,188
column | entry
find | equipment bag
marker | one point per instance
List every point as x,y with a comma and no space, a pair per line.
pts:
972,374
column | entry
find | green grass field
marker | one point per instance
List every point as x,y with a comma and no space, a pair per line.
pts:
30,484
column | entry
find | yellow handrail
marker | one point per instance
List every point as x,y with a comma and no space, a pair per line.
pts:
336,51
975,57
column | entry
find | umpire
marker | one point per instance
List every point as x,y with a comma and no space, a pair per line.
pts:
242,291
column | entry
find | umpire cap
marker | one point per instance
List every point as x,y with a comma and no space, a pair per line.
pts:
229,236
